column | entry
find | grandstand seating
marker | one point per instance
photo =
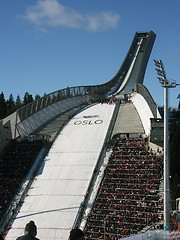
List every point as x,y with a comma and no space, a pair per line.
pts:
128,199
15,163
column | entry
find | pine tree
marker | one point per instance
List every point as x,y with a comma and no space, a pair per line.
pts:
3,106
18,102
37,96
10,105
28,98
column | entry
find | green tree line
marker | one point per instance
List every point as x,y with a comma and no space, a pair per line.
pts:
174,152
10,105
175,155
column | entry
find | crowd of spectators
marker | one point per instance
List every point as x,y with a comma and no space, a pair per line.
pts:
129,197
15,163
114,100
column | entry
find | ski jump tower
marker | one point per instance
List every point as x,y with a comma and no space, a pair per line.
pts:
129,79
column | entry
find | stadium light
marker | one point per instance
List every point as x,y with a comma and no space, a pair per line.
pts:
166,84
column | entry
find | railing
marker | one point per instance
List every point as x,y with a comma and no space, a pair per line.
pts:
35,114
54,97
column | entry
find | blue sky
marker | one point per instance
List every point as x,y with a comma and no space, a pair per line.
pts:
47,45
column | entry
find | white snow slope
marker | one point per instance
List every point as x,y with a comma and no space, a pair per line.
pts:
60,186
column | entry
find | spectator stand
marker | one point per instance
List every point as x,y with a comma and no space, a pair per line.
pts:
18,166
129,199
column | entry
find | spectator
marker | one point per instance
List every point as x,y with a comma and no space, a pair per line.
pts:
30,232
76,234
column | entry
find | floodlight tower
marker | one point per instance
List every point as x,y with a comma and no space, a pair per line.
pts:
166,84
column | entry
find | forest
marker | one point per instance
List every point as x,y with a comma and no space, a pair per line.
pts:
10,105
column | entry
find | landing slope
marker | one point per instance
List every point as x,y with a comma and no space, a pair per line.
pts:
60,186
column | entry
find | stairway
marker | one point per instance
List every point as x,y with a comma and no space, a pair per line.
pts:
128,120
